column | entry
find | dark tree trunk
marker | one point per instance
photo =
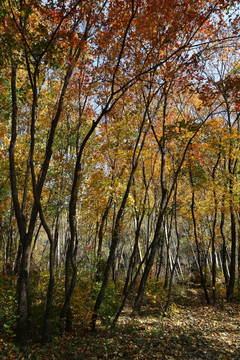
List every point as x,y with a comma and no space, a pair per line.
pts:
70,282
213,232
214,254
100,237
47,317
160,257
168,267
238,256
128,291
232,269
148,266
224,250
23,295
202,277
166,307
132,260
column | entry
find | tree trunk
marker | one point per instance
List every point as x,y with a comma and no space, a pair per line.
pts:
23,294
133,255
148,266
231,284
168,265
224,251
100,237
160,257
166,307
238,256
214,254
203,281
47,317
70,282
128,291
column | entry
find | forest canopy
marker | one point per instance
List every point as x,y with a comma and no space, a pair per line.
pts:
119,148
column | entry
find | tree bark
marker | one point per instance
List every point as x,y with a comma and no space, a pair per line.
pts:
203,281
166,307
224,250
232,269
100,237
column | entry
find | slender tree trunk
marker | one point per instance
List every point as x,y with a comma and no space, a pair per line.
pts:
70,282
100,237
166,307
128,291
47,317
8,247
213,232
231,284
224,250
17,263
168,266
23,294
134,254
160,261
238,256
148,266
35,240
136,248
214,253
203,281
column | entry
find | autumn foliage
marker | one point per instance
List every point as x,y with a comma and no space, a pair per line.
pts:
120,145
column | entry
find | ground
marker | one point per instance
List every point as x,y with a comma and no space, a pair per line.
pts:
191,331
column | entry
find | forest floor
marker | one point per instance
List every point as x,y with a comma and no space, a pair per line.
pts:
192,331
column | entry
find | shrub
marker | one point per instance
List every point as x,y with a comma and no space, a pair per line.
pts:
8,305
110,304
82,303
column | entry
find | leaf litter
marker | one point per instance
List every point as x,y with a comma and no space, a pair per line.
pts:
193,332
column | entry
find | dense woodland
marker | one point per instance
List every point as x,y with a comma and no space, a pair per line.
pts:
120,145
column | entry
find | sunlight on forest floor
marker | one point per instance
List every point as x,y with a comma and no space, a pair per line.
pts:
193,331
